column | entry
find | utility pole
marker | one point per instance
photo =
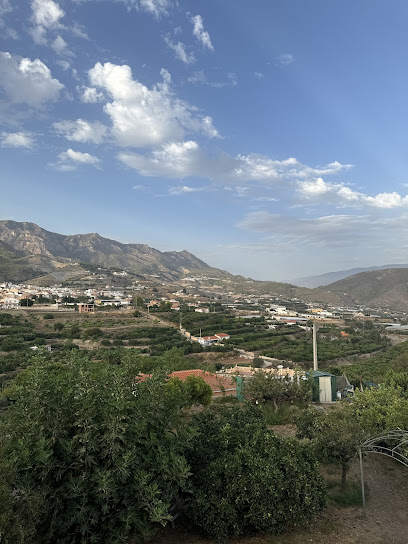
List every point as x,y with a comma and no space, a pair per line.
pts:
314,346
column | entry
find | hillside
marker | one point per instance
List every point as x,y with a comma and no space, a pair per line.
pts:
44,250
378,288
331,277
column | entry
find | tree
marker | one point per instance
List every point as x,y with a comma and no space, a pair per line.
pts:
257,362
334,435
88,454
26,302
194,389
265,386
245,478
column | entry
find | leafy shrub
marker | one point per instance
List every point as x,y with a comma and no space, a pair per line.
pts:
88,455
247,479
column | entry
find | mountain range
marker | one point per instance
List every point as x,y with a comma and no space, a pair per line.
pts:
330,277
29,252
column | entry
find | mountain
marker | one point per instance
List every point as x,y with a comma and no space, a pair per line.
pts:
331,277
40,249
377,288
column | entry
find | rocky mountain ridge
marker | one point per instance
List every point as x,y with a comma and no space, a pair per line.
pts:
42,249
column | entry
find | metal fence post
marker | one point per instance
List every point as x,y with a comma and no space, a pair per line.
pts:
362,479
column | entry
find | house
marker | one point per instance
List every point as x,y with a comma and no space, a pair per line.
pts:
222,336
86,308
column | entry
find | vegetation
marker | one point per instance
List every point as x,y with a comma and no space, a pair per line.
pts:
89,455
244,478
265,386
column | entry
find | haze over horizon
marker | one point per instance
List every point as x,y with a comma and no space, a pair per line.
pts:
267,138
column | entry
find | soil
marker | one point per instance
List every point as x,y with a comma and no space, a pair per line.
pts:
385,522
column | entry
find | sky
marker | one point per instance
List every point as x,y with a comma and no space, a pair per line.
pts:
267,137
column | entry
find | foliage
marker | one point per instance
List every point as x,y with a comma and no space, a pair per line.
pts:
26,302
335,436
380,409
265,386
375,368
247,479
87,455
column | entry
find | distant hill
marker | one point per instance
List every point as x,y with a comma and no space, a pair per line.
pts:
377,288
39,249
331,277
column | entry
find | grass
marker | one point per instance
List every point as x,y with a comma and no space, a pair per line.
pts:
350,497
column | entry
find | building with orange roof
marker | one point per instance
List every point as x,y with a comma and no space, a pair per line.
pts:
220,385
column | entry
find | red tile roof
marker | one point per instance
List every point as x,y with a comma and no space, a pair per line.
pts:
217,383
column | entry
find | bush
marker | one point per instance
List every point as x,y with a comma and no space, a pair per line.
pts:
88,455
245,478
48,316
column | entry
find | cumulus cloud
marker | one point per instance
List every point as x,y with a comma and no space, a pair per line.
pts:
202,35
184,159
90,95
82,131
180,50
25,81
17,139
319,191
143,117
70,160
46,14
258,75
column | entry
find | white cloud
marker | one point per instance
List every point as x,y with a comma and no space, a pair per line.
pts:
155,7
326,231
258,75
185,189
185,159
60,46
5,7
143,117
174,160
285,59
180,50
46,14
70,160
200,78
201,34
17,139
82,131
79,31
90,95
27,82
320,191
6,30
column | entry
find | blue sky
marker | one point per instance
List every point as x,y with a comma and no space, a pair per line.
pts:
267,137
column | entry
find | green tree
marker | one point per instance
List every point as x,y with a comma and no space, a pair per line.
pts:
257,362
265,386
88,454
245,478
335,436
26,302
